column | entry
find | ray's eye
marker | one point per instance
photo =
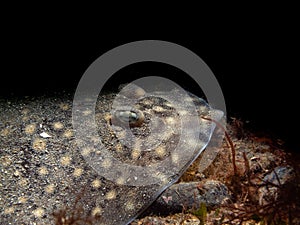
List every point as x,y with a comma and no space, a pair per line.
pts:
127,116
123,117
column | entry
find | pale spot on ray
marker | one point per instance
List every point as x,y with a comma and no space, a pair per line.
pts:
171,120
39,212
68,133
6,160
158,109
25,118
121,134
96,183
130,206
120,180
25,111
106,163
65,160
107,117
160,151
192,142
119,147
86,151
50,188
135,154
204,110
87,112
9,210
23,182
148,102
97,211
5,132
39,144
30,129
111,195
58,126
43,171
22,199
64,106
78,172
88,99
175,158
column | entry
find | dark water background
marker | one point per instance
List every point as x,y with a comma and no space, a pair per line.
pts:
257,74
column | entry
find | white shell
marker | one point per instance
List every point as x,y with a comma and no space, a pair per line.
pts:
45,135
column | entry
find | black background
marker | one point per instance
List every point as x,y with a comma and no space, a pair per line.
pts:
256,71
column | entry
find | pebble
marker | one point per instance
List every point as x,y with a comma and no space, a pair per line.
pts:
279,176
211,192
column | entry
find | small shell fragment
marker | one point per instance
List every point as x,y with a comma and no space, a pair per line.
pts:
45,135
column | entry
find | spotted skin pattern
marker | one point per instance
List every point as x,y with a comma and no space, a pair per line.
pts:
41,175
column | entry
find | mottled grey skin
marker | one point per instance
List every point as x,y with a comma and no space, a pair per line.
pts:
41,175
